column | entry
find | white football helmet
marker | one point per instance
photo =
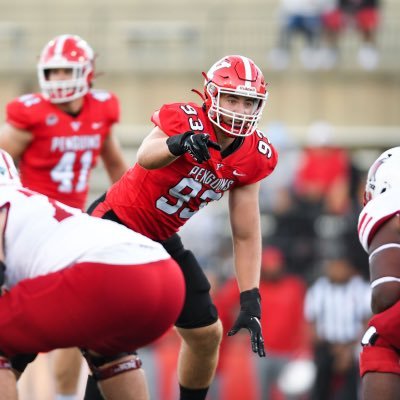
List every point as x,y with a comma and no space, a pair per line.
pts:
8,171
240,76
383,174
69,52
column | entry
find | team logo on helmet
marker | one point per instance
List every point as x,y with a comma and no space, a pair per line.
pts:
383,174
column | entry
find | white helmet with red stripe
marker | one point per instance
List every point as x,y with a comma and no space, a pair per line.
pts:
237,75
383,174
8,171
67,52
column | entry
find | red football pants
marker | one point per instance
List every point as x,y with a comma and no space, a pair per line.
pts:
105,308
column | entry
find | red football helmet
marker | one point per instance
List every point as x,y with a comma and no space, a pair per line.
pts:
69,52
239,76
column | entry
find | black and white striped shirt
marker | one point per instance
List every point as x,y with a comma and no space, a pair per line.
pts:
338,309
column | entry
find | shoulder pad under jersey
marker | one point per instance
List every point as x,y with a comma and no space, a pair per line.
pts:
375,213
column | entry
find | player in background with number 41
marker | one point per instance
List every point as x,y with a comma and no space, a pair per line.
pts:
56,137
193,155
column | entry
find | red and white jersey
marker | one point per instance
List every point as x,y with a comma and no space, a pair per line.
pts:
375,213
158,202
42,236
64,148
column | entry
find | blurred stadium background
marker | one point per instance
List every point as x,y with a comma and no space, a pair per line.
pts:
153,51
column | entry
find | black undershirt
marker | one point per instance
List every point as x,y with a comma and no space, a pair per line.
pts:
232,147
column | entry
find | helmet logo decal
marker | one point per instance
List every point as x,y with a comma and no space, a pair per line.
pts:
375,167
383,174
219,65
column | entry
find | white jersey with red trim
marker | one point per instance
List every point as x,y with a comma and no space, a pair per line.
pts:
42,236
375,213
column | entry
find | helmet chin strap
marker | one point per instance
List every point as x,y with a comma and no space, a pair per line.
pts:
200,94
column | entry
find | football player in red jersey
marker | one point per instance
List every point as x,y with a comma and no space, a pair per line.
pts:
56,137
193,155
379,232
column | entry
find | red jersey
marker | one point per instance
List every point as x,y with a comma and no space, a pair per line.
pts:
65,148
158,202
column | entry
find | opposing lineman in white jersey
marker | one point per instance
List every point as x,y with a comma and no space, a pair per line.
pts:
64,236
79,281
379,233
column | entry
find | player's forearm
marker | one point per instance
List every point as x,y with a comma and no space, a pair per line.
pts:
154,154
247,262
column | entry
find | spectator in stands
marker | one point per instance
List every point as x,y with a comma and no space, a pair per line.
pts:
364,14
282,299
322,170
323,167
276,192
337,307
334,224
57,137
298,17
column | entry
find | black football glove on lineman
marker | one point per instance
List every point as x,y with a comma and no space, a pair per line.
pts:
249,318
195,144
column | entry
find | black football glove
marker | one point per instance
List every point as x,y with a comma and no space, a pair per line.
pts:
249,318
195,144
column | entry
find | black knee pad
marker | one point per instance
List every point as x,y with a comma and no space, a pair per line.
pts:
198,309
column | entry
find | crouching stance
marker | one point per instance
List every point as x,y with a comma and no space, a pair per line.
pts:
72,280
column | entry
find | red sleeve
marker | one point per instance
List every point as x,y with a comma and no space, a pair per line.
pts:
19,115
171,119
264,159
269,162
